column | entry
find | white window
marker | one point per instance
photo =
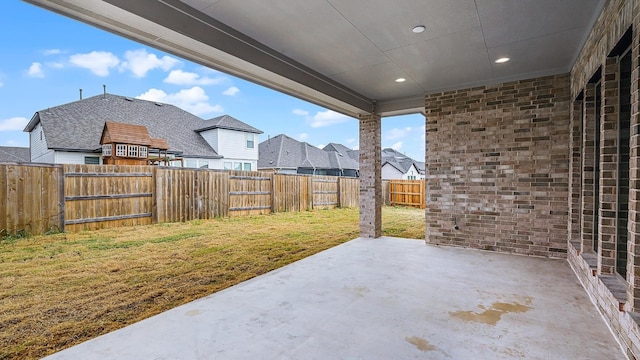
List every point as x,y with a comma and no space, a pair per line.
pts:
249,141
247,166
237,166
228,165
121,150
143,152
106,150
133,151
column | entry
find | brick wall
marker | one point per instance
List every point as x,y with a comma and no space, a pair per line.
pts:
370,176
498,166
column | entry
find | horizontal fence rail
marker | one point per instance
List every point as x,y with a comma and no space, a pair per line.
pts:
41,198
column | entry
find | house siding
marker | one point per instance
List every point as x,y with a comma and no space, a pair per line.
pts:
211,137
39,150
65,157
389,172
232,145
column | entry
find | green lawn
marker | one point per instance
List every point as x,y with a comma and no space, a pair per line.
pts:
59,290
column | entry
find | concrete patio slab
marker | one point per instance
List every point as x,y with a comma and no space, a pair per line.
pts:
383,298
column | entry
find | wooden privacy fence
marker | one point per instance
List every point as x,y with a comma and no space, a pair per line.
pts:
31,199
406,193
96,197
41,198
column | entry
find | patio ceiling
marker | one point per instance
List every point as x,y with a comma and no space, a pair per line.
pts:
346,54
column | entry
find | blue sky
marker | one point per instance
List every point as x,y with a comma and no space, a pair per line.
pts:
46,58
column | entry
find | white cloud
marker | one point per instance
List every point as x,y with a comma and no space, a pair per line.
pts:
193,100
35,70
1,84
327,118
15,123
300,112
350,140
397,133
179,77
303,137
423,134
321,146
139,62
55,65
231,91
49,52
98,62
397,146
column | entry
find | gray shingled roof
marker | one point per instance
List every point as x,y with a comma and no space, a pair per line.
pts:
229,123
398,160
14,154
284,152
341,149
78,125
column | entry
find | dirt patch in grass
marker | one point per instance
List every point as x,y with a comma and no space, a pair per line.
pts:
60,290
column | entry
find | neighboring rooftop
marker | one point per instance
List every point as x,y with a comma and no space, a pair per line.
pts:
341,149
284,152
14,154
78,125
400,161
229,123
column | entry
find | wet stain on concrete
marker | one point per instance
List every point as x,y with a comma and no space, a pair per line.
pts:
493,314
192,313
420,343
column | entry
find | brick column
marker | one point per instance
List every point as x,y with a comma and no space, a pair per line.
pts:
589,234
633,266
575,184
609,168
370,176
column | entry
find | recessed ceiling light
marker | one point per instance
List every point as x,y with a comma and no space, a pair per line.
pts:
418,29
401,80
502,60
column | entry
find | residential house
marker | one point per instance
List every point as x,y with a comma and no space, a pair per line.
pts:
396,165
285,155
235,140
71,133
14,154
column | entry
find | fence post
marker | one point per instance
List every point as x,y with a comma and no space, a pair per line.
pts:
61,198
273,192
154,198
338,195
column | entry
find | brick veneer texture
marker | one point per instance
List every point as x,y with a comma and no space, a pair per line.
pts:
589,236
575,164
616,18
498,166
608,168
370,176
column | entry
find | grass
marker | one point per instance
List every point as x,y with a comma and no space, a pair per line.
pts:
62,289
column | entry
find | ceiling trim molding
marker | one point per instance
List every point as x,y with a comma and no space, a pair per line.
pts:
178,17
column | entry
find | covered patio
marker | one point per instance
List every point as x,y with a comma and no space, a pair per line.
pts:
387,298
532,129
